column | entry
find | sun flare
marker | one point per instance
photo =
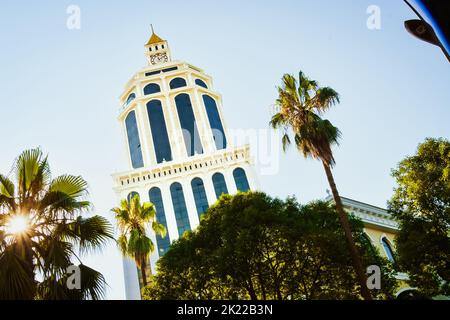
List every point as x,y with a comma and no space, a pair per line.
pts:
17,224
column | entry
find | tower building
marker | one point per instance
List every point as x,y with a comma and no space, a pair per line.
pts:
180,153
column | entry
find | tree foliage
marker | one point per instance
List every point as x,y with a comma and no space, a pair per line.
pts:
251,246
34,260
421,204
133,219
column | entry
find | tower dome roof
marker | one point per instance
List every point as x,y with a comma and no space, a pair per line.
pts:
154,39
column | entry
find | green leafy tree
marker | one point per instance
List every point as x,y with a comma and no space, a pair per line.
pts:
421,204
42,232
301,104
251,246
133,218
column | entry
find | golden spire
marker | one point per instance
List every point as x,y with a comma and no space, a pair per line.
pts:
154,38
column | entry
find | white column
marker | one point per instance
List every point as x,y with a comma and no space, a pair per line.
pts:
229,179
143,134
172,228
209,188
190,202
174,129
132,290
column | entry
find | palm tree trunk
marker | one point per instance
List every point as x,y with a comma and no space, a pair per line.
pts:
356,258
144,272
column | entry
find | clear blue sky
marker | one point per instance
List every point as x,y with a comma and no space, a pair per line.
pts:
60,88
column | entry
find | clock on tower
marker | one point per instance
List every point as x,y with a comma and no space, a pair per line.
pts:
157,50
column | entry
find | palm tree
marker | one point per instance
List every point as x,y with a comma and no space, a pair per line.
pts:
42,229
133,218
301,105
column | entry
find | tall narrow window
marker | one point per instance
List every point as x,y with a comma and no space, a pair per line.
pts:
220,186
177,83
215,122
201,201
159,131
134,142
240,178
151,88
156,198
188,125
388,249
180,209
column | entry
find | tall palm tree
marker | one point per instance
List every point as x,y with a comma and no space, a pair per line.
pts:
42,230
301,104
133,218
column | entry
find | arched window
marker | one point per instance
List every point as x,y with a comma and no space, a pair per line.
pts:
201,83
177,83
387,249
220,186
151,88
215,122
201,201
156,198
188,125
134,142
130,98
179,207
240,178
159,131
131,195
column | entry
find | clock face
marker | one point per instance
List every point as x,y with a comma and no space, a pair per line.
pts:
159,58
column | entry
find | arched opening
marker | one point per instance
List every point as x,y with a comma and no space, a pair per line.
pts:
201,201
134,142
220,186
177,83
151,88
201,83
130,98
180,209
388,249
240,178
158,128
215,122
188,125
155,197
131,195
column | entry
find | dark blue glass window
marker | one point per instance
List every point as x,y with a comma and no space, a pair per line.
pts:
388,249
151,88
131,195
220,186
170,69
134,142
215,122
201,201
201,83
240,178
159,131
179,207
177,83
152,73
130,98
156,198
188,125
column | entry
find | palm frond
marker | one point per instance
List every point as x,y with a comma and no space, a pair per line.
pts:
159,229
73,186
89,233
